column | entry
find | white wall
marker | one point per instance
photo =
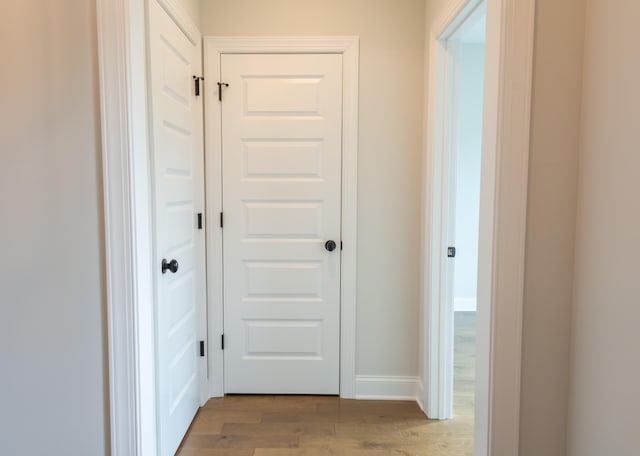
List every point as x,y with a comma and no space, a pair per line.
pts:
551,226
605,402
469,153
52,324
389,188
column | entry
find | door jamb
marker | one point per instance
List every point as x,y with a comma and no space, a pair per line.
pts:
348,47
506,131
443,206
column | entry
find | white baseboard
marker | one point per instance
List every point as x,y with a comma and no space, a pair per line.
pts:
371,387
465,304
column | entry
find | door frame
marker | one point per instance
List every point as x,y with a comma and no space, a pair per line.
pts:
442,161
348,47
503,208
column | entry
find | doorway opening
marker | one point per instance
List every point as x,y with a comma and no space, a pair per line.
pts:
456,216
467,47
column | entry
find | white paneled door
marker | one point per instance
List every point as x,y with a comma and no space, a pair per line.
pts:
177,155
281,154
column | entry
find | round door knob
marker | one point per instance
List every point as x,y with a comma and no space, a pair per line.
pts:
169,265
330,246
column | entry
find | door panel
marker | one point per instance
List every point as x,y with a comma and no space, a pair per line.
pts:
281,154
177,155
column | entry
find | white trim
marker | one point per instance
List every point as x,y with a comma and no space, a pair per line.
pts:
213,208
214,47
500,305
369,387
465,304
507,112
347,45
144,234
122,59
117,77
447,211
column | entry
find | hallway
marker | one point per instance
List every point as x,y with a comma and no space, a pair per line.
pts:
328,425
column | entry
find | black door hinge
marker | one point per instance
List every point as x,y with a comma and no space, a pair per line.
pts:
451,252
221,220
222,342
196,81
199,220
340,245
220,86
202,348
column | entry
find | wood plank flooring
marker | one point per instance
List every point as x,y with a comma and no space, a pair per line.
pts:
328,425
464,363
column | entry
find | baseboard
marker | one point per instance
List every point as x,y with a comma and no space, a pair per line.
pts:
369,387
465,304
421,397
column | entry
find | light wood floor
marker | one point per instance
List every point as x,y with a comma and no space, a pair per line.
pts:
464,363
327,425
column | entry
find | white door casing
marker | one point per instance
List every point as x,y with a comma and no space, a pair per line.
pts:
348,48
178,183
281,155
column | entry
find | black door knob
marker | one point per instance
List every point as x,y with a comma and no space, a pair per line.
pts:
330,246
169,265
